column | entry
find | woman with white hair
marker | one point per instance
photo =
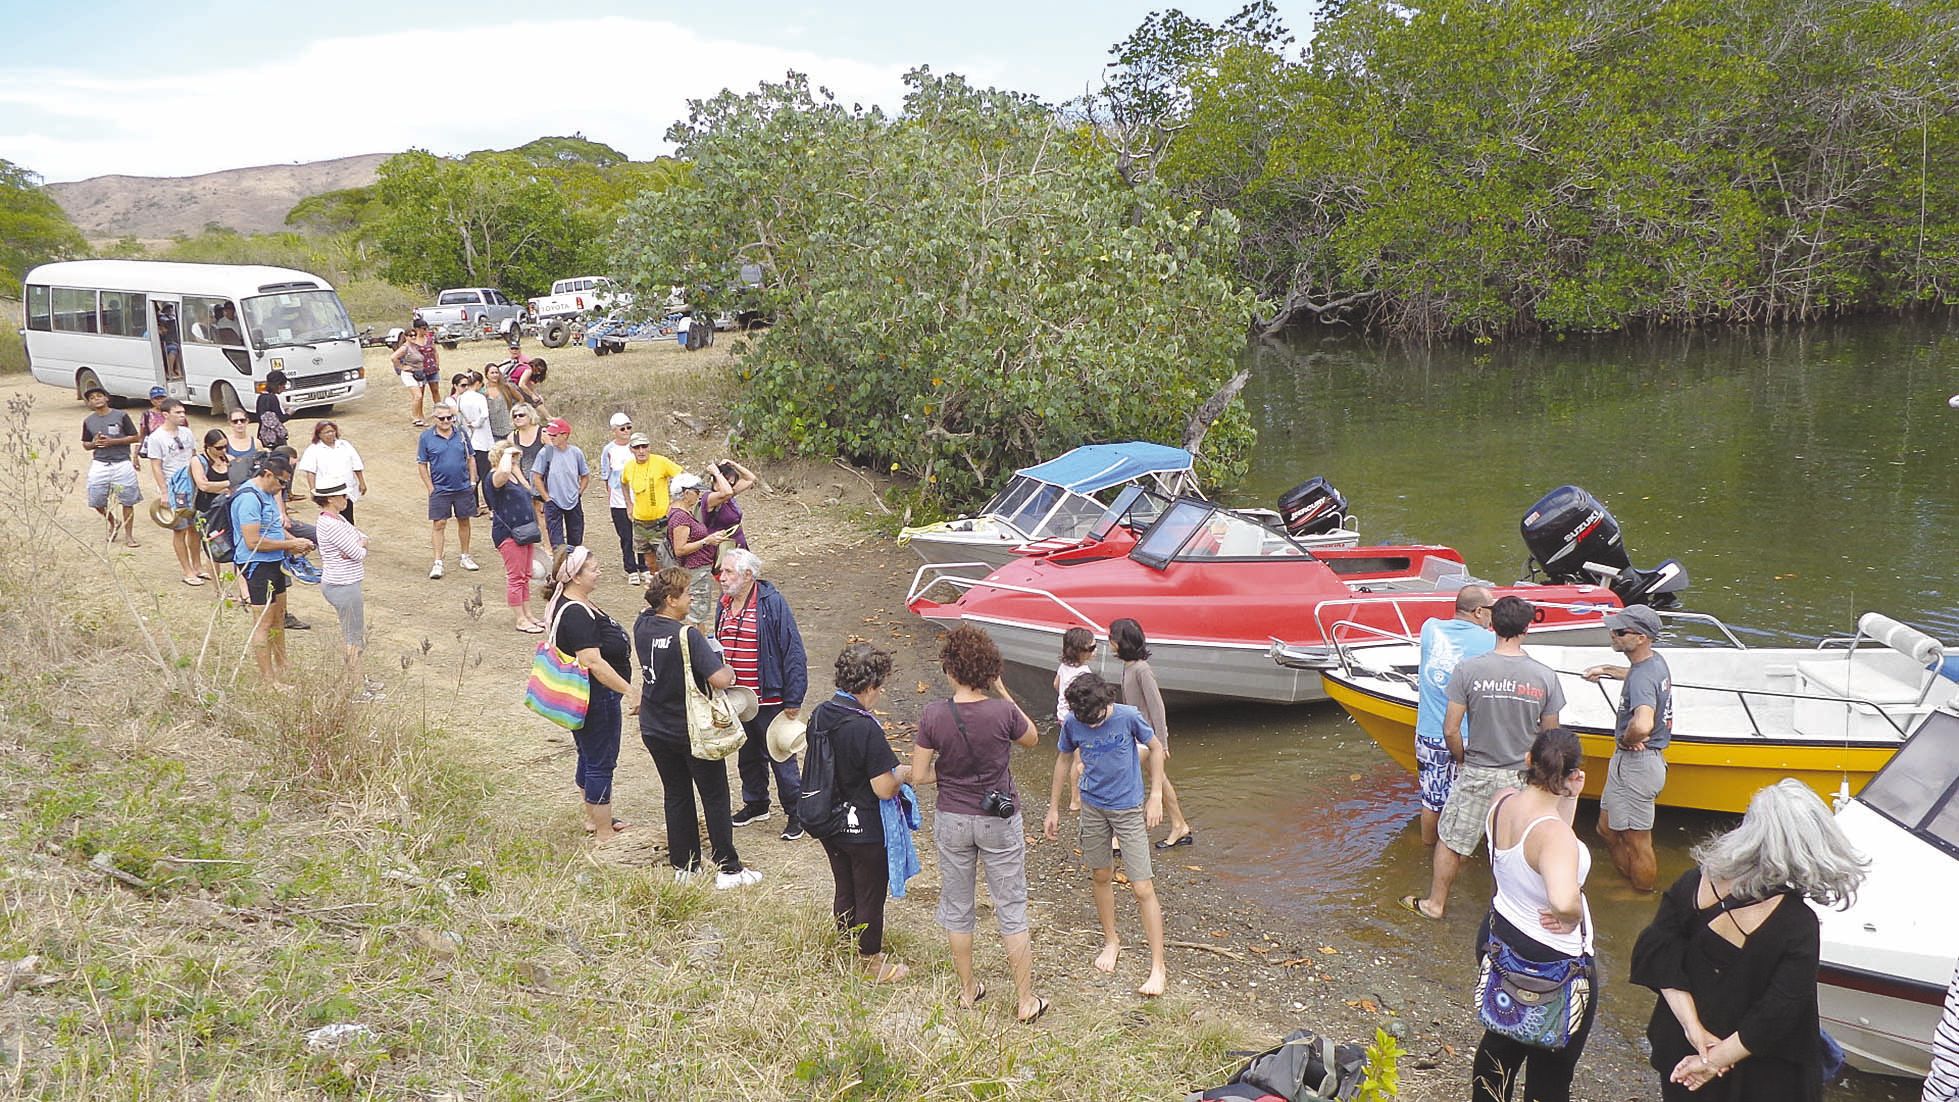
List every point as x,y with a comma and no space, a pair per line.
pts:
1733,954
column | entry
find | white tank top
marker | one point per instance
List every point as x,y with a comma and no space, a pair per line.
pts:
1521,896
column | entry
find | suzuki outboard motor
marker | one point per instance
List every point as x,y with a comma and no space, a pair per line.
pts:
1312,508
1574,540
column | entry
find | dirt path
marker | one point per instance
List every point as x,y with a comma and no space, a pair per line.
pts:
447,646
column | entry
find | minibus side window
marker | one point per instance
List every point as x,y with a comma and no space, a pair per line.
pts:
74,310
38,316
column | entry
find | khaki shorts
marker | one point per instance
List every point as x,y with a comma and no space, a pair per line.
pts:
1633,780
1100,825
651,535
1468,808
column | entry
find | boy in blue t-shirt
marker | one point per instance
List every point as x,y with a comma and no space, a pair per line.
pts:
1111,738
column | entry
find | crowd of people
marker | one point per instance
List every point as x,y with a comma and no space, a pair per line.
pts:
1731,952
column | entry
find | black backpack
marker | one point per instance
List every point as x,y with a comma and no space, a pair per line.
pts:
1305,1067
215,524
822,810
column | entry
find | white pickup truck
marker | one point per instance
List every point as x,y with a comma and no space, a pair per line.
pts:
463,313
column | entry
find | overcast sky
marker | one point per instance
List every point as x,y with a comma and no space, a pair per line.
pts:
180,88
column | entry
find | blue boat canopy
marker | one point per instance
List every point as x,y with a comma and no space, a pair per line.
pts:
1093,467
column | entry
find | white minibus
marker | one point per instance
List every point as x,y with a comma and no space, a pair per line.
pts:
209,334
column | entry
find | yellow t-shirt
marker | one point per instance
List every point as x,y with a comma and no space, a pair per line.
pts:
646,480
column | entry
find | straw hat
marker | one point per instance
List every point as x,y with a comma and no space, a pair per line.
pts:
164,514
745,701
786,736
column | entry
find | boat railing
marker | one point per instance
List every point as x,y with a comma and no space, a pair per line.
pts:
1741,696
1404,632
921,584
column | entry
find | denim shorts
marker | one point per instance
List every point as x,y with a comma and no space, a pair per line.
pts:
444,504
969,845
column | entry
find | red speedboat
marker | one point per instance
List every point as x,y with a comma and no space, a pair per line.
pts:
1214,591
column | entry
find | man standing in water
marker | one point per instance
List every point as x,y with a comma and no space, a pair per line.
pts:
1445,645
1645,725
1506,697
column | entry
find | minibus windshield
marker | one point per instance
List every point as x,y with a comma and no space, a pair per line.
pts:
295,318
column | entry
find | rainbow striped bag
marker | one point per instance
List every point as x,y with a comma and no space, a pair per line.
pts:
559,688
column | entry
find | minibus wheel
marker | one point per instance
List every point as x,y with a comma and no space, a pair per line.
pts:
224,399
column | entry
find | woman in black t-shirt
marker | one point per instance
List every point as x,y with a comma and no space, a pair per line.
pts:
663,728
582,630
866,772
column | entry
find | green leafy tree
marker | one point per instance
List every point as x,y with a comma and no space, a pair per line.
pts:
33,227
1483,167
490,220
960,290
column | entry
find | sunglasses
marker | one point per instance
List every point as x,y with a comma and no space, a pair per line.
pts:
445,418
521,416
1617,632
240,421
622,428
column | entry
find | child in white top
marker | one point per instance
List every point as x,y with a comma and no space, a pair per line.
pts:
1077,647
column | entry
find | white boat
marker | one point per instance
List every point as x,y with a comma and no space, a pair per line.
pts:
1886,960
1061,500
1742,717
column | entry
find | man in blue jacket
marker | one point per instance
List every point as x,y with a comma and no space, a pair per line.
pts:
759,640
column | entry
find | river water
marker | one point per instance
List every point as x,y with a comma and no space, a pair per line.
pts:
1803,477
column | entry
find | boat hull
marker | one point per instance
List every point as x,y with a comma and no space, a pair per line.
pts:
1886,958
1191,670
1709,774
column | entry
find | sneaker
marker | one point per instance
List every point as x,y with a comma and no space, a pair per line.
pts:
436,570
792,832
743,879
686,876
468,563
751,813
294,623
632,579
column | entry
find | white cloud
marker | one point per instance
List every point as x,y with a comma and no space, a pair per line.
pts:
617,80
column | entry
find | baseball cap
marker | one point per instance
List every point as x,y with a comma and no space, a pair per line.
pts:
1637,618
639,439
558,426
621,419
158,392
684,482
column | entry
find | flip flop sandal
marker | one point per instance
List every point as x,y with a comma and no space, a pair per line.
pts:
1410,903
193,581
1187,840
1038,1011
617,826
977,996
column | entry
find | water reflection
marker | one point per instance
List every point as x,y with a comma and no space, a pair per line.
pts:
1802,477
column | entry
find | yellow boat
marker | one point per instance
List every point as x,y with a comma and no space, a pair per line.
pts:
1743,718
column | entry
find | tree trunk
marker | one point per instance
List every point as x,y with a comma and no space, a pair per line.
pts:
1212,409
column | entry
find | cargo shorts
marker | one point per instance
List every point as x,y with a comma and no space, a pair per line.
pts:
1633,780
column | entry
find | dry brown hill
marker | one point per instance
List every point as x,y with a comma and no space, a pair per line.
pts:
249,200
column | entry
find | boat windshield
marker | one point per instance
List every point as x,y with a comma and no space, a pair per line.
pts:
1011,497
1919,787
1198,531
295,318
1135,508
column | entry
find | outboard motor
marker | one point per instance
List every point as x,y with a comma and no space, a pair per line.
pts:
1312,508
1574,540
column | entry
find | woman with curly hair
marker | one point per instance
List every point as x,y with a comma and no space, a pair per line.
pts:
866,772
1733,953
963,746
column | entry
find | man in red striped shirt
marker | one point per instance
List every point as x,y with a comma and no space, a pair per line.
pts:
760,642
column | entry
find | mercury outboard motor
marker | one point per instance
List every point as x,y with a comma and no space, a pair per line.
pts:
1574,540
1312,508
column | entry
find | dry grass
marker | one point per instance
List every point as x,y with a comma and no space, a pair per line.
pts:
203,872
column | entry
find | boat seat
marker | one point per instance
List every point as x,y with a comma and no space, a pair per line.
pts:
1837,676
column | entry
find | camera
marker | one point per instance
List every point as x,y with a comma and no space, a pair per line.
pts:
1000,805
